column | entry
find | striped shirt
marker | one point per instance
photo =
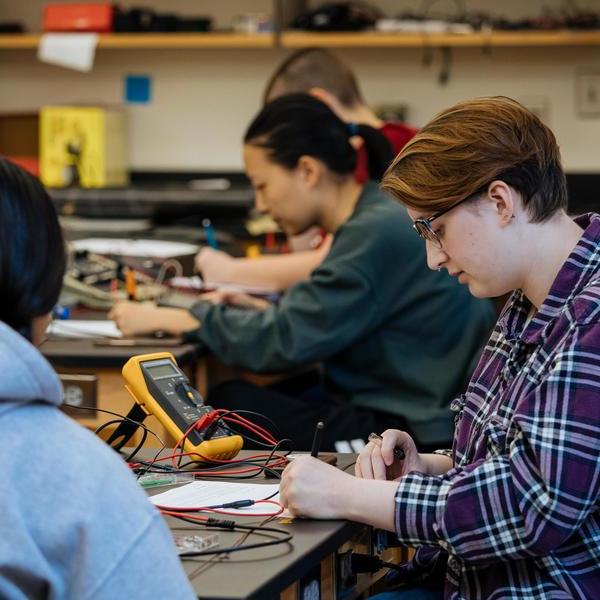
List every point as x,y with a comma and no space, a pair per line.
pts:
518,514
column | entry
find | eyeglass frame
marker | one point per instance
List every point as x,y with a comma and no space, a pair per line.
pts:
425,222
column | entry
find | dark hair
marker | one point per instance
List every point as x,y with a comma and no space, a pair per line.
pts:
32,256
300,125
310,68
466,147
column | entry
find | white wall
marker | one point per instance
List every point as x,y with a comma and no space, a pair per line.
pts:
203,99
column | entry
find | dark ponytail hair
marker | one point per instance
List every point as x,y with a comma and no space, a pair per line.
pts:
298,125
32,255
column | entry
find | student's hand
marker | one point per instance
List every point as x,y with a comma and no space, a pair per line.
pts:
311,488
377,461
215,297
309,240
134,318
235,299
213,265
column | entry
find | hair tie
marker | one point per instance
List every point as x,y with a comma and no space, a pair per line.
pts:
352,129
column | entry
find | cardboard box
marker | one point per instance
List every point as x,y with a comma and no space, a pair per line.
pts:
83,146
19,139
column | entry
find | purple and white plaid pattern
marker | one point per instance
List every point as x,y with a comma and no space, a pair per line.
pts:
519,512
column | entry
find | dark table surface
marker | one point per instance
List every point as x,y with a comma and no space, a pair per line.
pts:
261,574
85,353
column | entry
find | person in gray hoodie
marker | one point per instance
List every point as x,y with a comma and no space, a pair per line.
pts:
74,523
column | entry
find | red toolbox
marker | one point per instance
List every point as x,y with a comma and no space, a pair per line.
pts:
78,17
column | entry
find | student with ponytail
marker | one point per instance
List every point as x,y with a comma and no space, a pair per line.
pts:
395,343
322,74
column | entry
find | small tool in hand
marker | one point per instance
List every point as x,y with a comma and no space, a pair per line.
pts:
398,452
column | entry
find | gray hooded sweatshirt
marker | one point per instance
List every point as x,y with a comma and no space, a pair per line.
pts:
73,521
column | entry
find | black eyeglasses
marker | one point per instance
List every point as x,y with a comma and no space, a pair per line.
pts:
425,230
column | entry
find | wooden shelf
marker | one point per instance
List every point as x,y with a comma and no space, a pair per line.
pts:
126,41
373,39
301,39
23,41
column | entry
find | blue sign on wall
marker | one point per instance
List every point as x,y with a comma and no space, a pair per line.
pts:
138,89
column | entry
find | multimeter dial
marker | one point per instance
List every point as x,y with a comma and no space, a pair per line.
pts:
170,387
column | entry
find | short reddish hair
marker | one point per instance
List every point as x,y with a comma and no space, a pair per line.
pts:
466,147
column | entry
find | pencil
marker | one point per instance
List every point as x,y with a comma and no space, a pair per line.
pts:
130,285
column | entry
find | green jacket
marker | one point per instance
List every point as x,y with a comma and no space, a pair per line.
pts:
392,335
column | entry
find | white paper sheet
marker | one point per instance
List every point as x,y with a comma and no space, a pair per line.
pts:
210,493
78,329
195,283
71,50
126,247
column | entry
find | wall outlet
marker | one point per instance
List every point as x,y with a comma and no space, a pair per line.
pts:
79,390
587,93
391,111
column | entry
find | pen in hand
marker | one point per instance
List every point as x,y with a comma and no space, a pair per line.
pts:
209,232
130,284
316,445
398,452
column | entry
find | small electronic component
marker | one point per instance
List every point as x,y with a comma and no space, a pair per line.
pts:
195,543
152,480
91,268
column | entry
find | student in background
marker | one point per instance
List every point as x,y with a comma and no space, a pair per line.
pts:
325,76
515,504
75,524
396,340
322,74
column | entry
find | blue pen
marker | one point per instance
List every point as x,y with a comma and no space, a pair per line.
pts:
61,312
209,232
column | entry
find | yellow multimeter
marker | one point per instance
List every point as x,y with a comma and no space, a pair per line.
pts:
161,388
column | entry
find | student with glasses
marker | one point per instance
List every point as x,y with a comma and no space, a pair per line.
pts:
513,507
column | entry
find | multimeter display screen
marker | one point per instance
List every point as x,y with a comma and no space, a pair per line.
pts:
165,370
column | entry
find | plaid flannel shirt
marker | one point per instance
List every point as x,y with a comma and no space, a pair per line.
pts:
518,513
